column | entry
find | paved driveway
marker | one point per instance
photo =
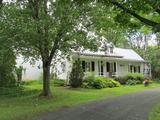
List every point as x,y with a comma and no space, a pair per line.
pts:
134,106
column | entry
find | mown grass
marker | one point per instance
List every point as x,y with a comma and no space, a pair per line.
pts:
23,103
155,114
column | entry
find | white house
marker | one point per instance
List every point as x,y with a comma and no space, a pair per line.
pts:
114,62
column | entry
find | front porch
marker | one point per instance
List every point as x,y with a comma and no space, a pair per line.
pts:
112,68
102,68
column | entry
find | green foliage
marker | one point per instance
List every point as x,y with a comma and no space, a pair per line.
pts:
59,83
99,82
89,76
131,79
28,82
76,75
40,29
103,24
132,82
153,55
121,80
137,14
14,100
7,65
135,77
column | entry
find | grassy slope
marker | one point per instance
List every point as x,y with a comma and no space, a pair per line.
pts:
23,104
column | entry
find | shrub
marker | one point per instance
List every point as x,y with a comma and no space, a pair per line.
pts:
7,66
89,76
29,82
59,83
115,83
135,76
88,80
121,80
157,80
76,75
132,82
100,82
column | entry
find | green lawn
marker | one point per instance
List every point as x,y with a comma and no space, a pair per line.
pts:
155,114
20,104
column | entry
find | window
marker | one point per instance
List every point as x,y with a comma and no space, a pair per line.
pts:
108,66
134,69
63,66
93,66
139,69
102,68
83,66
111,50
88,68
115,69
130,68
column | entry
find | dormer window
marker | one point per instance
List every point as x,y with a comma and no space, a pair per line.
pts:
111,50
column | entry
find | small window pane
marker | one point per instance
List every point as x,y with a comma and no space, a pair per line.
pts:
108,66
83,65
93,66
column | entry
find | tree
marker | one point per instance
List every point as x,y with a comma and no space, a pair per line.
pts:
153,55
76,75
7,65
43,28
103,24
147,12
7,56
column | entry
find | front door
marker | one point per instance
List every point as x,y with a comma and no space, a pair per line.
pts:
111,68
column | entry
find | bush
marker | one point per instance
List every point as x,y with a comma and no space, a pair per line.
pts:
88,80
121,80
7,66
135,77
76,75
29,82
58,83
132,82
100,82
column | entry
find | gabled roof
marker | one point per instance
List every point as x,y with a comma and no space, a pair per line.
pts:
128,54
118,53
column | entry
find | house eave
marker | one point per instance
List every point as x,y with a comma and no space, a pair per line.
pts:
105,57
98,55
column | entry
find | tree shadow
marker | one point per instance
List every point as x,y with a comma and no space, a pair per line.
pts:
17,92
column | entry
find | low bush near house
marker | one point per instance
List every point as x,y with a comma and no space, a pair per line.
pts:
132,82
100,82
121,80
58,83
114,83
131,79
135,76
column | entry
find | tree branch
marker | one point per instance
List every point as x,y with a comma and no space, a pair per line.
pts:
56,44
144,20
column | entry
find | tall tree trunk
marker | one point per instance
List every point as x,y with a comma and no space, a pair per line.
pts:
46,80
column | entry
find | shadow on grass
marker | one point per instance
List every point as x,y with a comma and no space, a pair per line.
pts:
17,92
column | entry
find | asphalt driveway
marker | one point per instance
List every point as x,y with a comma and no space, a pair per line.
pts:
134,106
